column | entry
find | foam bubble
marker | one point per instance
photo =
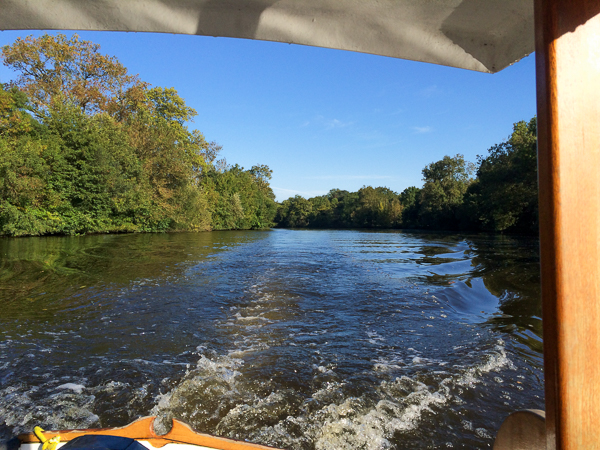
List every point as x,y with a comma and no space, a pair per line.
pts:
78,388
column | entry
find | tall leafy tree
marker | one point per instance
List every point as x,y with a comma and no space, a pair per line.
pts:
505,196
106,152
95,176
22,167
378,208
172,157
295,212
446,182
410,199
59,69
15,119
240,199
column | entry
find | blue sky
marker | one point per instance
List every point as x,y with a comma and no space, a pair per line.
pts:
322,118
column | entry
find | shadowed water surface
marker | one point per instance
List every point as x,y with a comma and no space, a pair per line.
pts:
296,339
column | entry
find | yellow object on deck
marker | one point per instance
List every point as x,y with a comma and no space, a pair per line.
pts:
47,444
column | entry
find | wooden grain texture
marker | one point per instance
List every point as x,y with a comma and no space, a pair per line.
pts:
568,88
143,430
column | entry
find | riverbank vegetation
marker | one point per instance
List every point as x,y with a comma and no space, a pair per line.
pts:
86,147
499,193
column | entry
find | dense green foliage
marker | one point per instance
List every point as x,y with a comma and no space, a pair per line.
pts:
505,194
446,182
240,199
501,197
367,208
85,147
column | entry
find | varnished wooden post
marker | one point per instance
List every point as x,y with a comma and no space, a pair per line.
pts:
568,91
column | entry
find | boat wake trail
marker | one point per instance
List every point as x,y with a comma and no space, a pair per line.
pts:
216,396
292,389
298,340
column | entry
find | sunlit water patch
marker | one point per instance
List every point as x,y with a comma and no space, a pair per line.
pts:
296,339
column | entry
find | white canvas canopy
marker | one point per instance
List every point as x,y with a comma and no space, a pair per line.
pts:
483,35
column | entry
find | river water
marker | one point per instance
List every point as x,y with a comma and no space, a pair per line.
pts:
297,339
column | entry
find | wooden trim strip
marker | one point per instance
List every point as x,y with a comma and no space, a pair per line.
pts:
568,93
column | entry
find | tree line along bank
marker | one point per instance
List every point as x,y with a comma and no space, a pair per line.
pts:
86,147
498,194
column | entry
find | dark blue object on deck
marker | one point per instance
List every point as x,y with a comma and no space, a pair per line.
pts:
102,442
